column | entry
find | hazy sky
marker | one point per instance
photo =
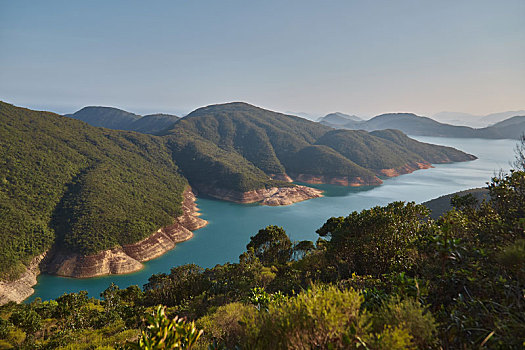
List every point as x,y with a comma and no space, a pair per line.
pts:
359,57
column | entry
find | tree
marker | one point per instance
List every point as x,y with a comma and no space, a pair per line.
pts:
376,241
519,151
271,245
302,248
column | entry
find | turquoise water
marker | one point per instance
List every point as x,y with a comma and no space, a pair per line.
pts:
231,225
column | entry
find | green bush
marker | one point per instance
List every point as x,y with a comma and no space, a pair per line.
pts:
226,325
320,317
407,314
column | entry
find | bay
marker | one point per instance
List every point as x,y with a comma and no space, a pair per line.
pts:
231,225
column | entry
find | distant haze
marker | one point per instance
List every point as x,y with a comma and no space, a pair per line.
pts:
458,118
361,58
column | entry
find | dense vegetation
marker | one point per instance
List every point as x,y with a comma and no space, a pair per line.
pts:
412,124
86,189
83,188
283,144
383,278
235,146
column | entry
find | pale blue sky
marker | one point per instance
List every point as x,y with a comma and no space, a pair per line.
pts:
361,57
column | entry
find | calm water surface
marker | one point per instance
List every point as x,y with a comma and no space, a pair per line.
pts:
231,225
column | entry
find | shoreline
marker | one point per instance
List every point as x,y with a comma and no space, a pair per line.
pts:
118,260
273,196
129,258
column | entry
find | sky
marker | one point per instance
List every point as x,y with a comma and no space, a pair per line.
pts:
358,57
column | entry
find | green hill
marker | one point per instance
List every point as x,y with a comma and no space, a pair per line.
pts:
439,206
280,144
84,188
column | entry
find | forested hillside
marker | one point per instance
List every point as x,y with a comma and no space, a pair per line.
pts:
84,188
279,144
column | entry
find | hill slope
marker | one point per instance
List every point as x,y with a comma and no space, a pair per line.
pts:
510,128
83,188
283,146
114,118
439,206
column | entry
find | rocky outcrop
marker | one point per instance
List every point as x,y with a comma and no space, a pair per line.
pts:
128,258
266,196
106,262
21,288
337,180
289,195
405,169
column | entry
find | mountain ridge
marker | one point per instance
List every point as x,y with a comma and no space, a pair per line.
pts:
119,119
413,124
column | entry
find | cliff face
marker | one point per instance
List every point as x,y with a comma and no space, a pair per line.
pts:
22,288
128,258
118,260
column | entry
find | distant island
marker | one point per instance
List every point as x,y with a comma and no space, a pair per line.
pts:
82,201
412,124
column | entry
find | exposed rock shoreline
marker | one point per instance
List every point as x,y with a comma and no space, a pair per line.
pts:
119,260
128,258
22,288
359,181
405,169
273,196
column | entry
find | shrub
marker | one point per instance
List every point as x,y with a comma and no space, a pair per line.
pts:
406,314
226,325
320,317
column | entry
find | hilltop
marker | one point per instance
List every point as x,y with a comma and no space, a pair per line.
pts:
338,118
